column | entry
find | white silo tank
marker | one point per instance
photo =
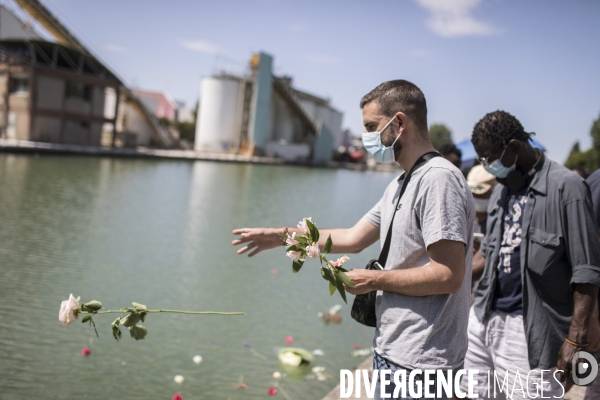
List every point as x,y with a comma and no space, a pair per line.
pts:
219,114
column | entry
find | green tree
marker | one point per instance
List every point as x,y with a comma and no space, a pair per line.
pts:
589,160
439,134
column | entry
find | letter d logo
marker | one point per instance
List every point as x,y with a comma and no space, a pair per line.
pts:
579,369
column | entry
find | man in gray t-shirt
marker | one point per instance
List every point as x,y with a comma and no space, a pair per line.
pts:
423,292
425,332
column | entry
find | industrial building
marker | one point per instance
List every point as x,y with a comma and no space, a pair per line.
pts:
262,114
58,92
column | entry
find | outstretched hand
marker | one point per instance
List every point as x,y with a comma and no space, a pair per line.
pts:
257,239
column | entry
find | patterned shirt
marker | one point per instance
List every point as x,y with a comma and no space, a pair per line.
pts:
508,295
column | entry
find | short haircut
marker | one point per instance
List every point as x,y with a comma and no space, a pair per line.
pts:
399,96
449,148
498,128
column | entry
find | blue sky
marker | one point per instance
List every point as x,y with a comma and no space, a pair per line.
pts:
539,60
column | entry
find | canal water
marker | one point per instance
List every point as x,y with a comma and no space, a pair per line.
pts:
159,233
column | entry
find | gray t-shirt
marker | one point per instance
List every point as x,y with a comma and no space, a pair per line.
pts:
425,332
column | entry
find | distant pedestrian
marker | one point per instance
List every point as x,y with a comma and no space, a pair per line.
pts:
451,153
482,185
542,264
581,172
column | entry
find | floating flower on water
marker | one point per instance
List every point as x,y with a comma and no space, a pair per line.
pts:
294,356
318,352
362,352
274,271
197,359
294,255
320,314
272,391
356,346
179,379
277,375
177,396
335,318
69,310
335,309
303,225
313,250
85,351
240,386
340,261
289,339
291,359
320,373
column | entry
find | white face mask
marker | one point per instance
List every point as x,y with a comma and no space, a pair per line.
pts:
481,205
372,143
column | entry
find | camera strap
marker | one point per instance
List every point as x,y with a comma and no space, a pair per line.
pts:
388,239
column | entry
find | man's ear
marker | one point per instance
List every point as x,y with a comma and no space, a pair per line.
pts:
401,118
515,146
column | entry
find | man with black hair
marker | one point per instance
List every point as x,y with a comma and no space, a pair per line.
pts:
542,266
423,292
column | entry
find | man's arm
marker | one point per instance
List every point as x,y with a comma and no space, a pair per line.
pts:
583,254
443,275
478,265
351,240
585,298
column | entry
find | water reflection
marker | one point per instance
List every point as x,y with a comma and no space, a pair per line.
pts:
120,230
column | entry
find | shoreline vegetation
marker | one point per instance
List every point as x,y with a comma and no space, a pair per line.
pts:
25,146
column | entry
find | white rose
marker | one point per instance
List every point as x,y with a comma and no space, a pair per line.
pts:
66,315
313,250
294,255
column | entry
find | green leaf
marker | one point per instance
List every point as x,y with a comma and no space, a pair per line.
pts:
143,316
340,288
138,331
328,245
294,248
314,232
297,265
130,319
302,240
326,274
331,289
139,307
91,306
115,329
339,275
86,319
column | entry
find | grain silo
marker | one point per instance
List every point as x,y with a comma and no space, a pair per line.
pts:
262,114
221,110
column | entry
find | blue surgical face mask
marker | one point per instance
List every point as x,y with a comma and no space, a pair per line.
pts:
498,169
381,153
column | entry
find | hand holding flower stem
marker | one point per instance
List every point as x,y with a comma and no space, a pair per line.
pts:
307,245
70,310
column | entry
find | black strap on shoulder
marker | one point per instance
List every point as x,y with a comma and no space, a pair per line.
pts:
388,239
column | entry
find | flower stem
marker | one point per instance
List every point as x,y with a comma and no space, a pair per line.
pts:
170,311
